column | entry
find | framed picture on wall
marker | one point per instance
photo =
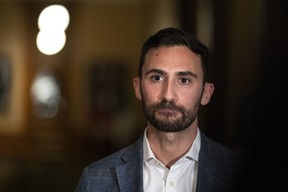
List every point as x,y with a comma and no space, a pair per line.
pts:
11,115
5,84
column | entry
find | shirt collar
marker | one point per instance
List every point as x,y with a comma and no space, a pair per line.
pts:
193,152
147,151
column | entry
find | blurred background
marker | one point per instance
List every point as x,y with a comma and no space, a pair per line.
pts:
61,111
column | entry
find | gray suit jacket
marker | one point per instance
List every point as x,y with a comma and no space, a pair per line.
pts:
220,170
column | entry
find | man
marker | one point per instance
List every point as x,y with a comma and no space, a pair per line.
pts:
173,154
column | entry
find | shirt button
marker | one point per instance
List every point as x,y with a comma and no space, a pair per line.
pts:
171,183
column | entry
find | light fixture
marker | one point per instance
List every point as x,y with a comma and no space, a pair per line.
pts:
52,22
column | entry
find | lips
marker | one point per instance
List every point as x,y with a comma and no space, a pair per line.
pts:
167,112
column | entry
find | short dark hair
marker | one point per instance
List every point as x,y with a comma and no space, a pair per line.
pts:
173,37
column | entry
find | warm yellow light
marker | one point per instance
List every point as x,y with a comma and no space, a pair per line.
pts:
45,89
54,16
52,22
46,95
50,42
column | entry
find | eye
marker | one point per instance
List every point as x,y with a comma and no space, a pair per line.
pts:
156,78
184,81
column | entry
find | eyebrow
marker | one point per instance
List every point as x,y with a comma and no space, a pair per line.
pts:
159,71
186,73
180,73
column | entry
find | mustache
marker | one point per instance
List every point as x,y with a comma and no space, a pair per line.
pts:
167,105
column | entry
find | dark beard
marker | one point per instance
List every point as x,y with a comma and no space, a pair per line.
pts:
169,123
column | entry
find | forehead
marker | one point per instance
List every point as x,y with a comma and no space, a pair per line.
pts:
173,59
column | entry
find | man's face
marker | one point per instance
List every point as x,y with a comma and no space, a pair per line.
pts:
171,88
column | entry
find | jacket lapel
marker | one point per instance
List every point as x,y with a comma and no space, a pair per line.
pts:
130,174
208,161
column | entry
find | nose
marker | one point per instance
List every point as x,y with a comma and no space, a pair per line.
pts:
169,91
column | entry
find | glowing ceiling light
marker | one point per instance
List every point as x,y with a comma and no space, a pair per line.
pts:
46,95
52,22
50,42
45,89
54,16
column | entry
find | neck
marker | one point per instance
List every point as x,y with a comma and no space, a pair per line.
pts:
170,147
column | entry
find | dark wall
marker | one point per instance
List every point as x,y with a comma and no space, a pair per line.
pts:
269,120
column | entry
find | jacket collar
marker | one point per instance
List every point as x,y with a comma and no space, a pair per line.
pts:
209,159
130,174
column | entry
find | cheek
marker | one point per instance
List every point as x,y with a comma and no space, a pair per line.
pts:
190,98
150,94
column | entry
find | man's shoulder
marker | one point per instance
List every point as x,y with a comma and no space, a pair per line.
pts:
217,150
122,156
227,167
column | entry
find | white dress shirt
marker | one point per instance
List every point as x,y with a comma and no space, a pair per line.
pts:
182,175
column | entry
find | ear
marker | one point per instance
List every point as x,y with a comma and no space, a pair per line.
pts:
207,93
137,89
